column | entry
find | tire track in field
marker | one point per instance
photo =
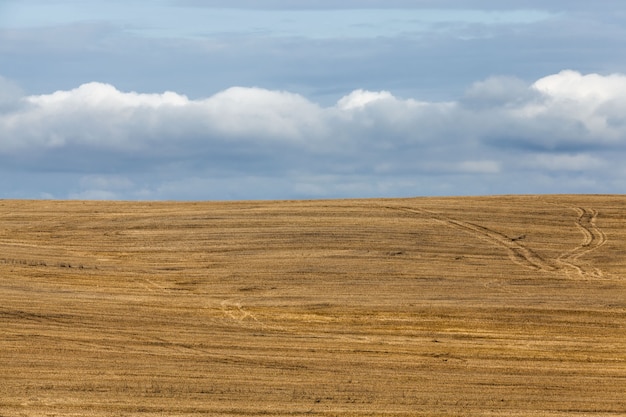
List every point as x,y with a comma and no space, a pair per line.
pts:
593,238
235,311
517,252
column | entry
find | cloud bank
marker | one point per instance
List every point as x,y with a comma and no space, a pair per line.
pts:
565,132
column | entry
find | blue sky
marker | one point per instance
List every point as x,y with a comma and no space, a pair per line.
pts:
281,99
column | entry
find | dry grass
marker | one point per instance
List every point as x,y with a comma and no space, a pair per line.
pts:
433,306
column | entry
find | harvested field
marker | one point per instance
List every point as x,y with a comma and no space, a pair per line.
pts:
493,306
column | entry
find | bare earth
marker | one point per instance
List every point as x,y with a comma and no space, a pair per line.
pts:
499,306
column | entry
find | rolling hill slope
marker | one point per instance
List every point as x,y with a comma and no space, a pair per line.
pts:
510,305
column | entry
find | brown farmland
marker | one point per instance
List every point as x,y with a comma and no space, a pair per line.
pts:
493,306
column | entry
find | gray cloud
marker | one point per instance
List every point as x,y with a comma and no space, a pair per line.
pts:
436,62
10,94
407,4
499,91
458,104
245,140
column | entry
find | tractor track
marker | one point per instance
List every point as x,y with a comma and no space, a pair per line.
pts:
568,262
593,238
517,252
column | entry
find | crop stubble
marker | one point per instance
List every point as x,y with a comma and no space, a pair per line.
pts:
511,305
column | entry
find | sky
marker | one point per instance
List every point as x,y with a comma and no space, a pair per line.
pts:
310,99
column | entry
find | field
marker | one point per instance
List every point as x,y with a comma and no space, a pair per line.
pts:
492,306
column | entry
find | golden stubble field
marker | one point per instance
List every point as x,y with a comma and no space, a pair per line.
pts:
494,306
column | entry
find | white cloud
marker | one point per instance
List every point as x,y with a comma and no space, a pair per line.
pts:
593,102
590,89
101,116
358,99
501,125
563,111
101,96
261,114
566,109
